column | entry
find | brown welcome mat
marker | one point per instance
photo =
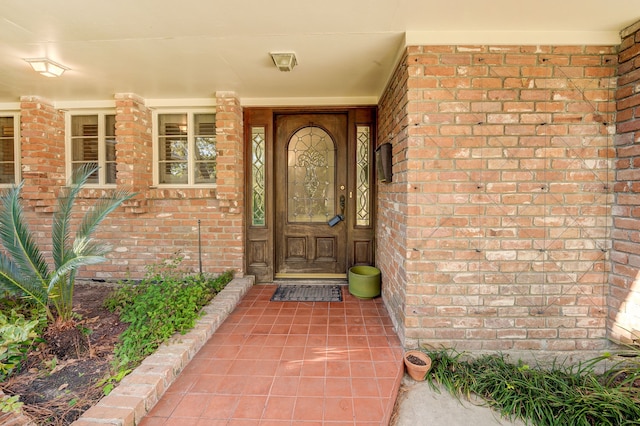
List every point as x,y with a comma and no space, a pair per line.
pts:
307,293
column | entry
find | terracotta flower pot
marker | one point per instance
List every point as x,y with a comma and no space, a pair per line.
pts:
418,364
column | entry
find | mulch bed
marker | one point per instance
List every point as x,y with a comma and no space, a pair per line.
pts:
57,391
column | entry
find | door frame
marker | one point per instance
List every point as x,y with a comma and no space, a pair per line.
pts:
259,123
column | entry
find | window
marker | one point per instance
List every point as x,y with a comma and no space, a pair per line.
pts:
186,148
9,148
92,140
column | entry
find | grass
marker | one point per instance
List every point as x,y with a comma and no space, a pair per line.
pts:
555,395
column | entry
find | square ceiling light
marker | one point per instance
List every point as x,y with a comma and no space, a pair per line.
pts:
284,61
47,67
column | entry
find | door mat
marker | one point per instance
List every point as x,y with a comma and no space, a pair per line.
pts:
307,293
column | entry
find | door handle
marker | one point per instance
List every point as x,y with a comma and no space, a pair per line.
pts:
339,217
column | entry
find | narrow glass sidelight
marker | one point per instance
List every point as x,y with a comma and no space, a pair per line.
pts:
258,178
363,184
311,176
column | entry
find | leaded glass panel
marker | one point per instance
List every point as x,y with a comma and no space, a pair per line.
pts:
311,176
363,185
258,161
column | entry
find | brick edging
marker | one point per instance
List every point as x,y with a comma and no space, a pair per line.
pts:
138,392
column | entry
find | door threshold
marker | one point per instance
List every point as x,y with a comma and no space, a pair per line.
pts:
292,276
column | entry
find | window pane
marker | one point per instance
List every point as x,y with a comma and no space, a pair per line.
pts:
205,125
94,178
110,149
110,126
84,143
7,141
85,150
311,176
172,124
7,151
173,173
174,149
110,172
7,172
363,147
258,176
205,148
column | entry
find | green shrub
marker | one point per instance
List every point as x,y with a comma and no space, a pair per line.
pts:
559,395
17,334
164,303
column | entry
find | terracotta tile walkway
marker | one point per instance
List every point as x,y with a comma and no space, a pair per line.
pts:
290,363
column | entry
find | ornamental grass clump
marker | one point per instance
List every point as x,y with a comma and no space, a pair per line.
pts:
558,395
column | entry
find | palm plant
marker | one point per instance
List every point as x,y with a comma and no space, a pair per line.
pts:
23,268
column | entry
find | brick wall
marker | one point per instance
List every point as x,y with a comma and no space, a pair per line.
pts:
501,196
42,152
159,222
393,115
624,300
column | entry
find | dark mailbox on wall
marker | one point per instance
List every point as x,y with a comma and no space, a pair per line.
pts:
383,162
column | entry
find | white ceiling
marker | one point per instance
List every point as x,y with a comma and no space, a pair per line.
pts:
190,49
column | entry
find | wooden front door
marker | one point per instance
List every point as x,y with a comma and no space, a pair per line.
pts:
310,192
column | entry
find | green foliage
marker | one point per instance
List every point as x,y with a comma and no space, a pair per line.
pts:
165,302
108,383
559,395
17,334
10,404
23,268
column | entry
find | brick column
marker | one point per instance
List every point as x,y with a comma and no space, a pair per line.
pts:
134,150
42,152
230,175
624,293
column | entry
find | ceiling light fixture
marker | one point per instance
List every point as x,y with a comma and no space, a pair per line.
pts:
284,61
47,67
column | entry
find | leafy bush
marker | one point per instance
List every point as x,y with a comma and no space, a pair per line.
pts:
164,303
574,395
17,334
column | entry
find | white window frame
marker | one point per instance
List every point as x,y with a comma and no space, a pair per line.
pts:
190,112
16,148
102,146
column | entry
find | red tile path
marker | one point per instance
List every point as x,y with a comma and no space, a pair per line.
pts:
290,363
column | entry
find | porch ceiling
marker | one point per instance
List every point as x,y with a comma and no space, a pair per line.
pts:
189,49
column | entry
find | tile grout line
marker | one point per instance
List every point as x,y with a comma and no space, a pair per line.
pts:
139,392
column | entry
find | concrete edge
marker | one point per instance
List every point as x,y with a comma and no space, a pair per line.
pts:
139,392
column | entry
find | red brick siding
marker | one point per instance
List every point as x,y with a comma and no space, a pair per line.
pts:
392,197
499,210
158,222
42,152
624,299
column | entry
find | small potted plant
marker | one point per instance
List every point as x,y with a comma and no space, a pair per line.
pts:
418,364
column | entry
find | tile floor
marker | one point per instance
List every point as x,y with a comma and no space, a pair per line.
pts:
290,363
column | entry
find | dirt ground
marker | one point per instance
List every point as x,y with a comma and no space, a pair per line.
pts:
57,391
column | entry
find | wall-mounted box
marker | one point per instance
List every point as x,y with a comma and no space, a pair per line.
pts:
383,162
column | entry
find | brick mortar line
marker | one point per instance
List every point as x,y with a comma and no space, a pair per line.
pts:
139,391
